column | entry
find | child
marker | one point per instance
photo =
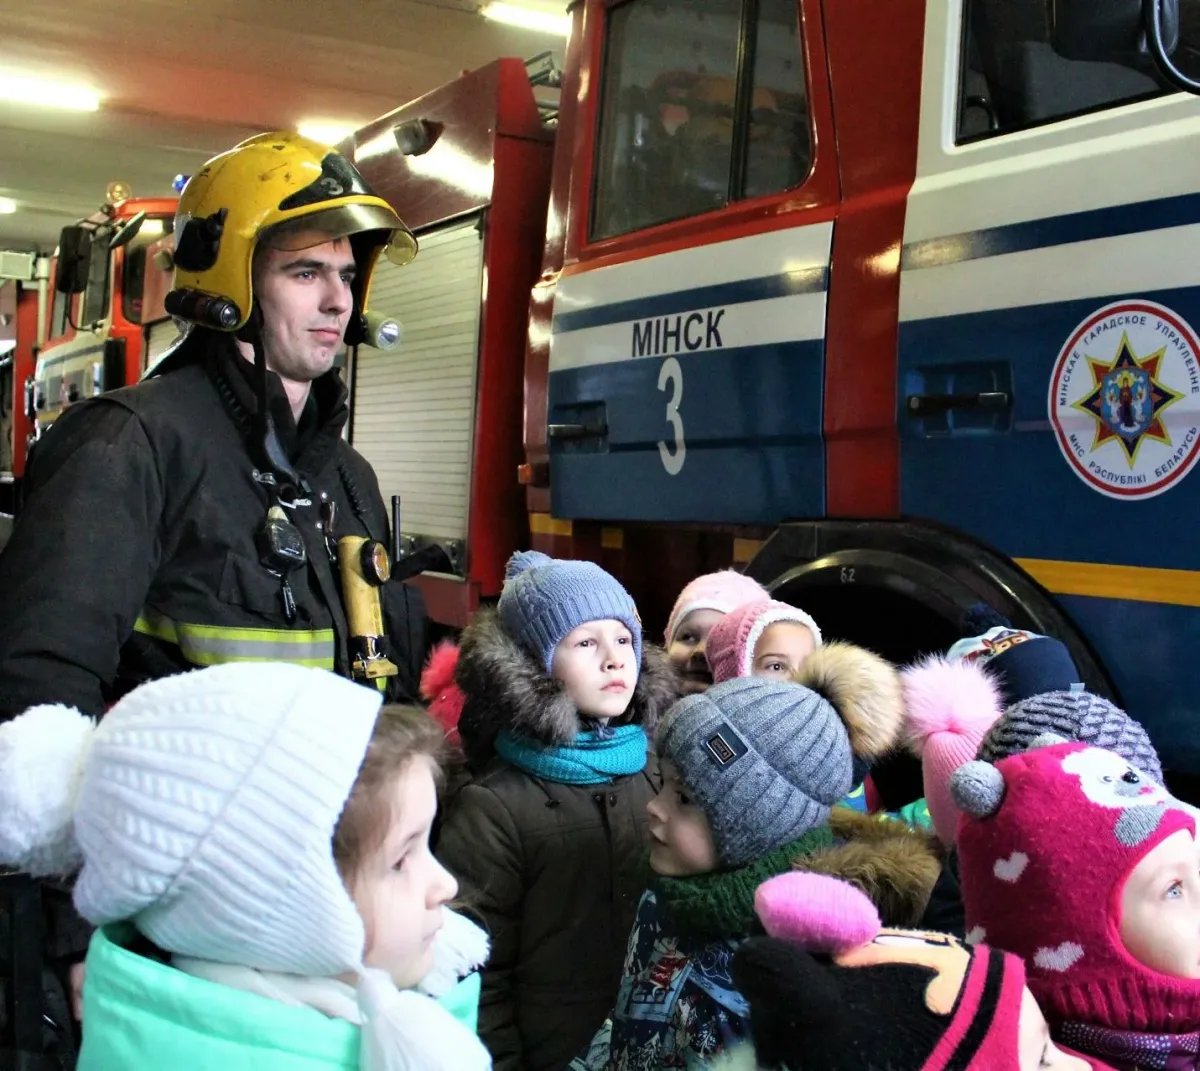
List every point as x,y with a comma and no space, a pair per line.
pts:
829,990
550,838
253,842
751,770
700,606
761,639
1081,864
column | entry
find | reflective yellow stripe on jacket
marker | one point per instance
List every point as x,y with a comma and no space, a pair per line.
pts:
208,645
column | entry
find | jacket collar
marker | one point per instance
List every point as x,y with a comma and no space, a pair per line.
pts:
311,443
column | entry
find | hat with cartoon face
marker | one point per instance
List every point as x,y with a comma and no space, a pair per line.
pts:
1049,839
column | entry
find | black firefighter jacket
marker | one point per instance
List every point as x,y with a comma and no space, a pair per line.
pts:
134,555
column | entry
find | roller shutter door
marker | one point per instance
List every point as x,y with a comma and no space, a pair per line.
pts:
414,408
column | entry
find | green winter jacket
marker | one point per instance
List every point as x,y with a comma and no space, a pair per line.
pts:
141,1014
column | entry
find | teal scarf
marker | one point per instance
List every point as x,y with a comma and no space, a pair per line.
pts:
589,760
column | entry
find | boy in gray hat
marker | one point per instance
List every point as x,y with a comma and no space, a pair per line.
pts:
752,770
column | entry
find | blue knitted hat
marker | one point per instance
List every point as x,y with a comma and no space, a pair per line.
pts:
1023,663
544,598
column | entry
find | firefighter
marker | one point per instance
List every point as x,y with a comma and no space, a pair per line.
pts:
195,518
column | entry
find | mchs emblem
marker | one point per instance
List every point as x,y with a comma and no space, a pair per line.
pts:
1125,399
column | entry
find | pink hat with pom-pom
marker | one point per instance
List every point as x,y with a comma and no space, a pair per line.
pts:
949,708
731,644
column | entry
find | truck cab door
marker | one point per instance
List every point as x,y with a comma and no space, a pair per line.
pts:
687,346
1049,340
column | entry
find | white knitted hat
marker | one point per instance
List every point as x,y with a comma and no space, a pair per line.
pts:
203,808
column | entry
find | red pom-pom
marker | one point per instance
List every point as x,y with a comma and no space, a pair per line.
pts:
438,689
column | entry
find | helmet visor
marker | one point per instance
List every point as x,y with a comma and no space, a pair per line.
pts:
343,221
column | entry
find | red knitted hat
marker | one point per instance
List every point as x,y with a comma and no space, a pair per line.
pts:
1047,841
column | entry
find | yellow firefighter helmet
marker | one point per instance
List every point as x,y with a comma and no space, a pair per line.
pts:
279,183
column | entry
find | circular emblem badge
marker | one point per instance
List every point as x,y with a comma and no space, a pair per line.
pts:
1125,399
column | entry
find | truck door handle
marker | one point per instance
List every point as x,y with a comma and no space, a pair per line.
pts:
923,405
563,432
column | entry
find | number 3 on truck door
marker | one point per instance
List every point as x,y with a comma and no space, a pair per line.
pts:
670,377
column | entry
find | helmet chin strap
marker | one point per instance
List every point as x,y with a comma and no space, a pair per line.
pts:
272,457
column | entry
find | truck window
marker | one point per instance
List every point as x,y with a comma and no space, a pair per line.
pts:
58,314
133,274
95,298
1012,79
691,116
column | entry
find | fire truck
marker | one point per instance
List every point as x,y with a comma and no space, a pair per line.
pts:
98,335
21,297
895,305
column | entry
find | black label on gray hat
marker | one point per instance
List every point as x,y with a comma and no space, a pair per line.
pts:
725,746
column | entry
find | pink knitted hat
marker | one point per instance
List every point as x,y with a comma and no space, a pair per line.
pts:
949,707
731,644
1047,841
723,591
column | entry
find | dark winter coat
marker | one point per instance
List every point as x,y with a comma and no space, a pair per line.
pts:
135,555
554,871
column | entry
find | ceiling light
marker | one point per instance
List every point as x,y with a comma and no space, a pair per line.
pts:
327,133
24,89
528,18
7,206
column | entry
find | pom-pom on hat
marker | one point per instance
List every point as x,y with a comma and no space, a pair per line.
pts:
949,707
441,691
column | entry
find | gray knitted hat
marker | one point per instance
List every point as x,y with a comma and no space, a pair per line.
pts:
1077,716
765,760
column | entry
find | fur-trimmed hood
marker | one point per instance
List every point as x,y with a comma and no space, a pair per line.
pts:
895,865
507,688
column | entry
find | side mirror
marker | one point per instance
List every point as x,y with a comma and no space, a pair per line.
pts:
1110,31
74,259
128,232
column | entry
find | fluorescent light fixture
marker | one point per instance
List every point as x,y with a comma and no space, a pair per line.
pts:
7,206
25,89
327,133
527,18
379,145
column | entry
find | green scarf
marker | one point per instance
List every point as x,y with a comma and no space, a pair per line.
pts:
721,904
